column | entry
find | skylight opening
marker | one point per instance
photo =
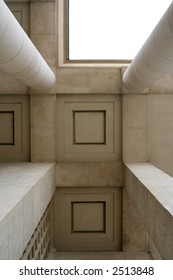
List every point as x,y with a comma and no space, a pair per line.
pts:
111,29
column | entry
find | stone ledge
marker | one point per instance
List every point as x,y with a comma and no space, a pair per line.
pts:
151,193
25,191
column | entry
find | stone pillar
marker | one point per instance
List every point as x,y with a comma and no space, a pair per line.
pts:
18,55
155,58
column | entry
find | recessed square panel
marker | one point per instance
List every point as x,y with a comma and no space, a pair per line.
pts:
21,13
6,128
88,216
11,120
89,127
18,16
14,128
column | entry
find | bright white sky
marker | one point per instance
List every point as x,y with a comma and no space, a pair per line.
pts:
111,29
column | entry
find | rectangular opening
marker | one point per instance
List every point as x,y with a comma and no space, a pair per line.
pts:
106,31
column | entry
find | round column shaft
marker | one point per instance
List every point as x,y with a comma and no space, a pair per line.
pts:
18,55
155,58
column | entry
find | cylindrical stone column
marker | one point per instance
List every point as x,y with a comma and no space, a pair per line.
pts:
18,55
155,58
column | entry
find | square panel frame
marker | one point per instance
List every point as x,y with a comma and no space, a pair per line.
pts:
89,142
108,239
19,105
73,230
110,150
13,129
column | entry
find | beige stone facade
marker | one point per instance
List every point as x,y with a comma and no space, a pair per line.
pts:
94,150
